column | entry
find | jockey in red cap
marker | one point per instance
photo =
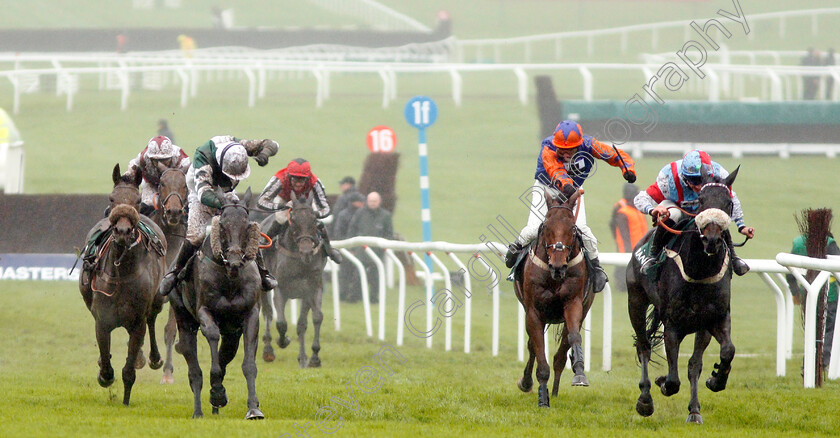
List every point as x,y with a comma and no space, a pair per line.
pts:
566,160
296,180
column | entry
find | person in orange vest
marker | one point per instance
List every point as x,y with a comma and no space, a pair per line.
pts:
629,226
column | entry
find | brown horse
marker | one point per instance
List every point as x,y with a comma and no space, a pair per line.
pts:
221,298
170,215
297,260
551,285
122,290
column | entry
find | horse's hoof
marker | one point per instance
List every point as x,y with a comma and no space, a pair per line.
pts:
215,410
302,361
644,406
717,383
268,356
254,414
155,365
542,395
284,342
218,399
522,387
105,382
167,379
694,418
198,415
580,380
667,387
315,362
140,362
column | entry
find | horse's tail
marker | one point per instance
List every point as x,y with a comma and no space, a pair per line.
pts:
653,332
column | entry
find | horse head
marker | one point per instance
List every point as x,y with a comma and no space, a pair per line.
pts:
559,233
303,227
126,189
124,219
234,239
172,194
715,211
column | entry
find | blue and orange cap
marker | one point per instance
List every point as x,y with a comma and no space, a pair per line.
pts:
567,135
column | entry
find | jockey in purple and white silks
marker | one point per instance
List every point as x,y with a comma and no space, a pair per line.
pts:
678,185
159,156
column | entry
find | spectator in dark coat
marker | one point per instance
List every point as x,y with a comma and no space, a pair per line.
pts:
372,220
349,285
348,188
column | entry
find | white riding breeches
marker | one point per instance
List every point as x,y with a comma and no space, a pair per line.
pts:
538,209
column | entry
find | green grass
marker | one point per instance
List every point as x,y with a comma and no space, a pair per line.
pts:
48,363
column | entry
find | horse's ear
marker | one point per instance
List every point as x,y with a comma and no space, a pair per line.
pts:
550,201
138,177
246,198
731,178
116,175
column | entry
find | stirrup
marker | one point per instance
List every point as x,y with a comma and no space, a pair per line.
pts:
268,282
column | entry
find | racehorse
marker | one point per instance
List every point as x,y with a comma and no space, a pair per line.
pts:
122,289
691,295
297,260
552,287
220,298
170,215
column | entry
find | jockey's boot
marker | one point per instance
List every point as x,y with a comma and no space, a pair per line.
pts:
325,239
657,241
513,251
171,278
739,266
267,281
275,229
599,277
146,209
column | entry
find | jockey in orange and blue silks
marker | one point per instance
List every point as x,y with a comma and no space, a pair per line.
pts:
678,185
566,160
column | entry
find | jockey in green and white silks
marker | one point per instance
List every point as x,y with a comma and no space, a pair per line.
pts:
159,156
220,163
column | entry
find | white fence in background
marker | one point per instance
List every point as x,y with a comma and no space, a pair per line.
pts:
373,13
481,264
779,80
482,48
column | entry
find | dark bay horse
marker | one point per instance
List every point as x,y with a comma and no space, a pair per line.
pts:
691,295
552,289
220,298
170,215
297,260
123,287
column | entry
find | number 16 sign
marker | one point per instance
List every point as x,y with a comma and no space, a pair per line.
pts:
421,112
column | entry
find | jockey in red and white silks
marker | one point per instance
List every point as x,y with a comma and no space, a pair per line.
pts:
158,156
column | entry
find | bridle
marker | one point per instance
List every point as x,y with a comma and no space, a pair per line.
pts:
661,222
225,251
560,246
301,238
162,205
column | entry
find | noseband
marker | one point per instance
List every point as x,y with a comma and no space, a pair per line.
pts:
162,205
560,246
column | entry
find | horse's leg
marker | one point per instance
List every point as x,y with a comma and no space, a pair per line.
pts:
526,382
103,339
637,305
727,352
154,354
169,339
560,360
251,331
188,341
218,397
302,323
535,329
227,351
573,315
265,307
135,343
317,319
282,326
695,367
670,384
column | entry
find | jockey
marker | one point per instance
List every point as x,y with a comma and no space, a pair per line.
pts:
296,180
566,159
678,185
158,156
220,163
